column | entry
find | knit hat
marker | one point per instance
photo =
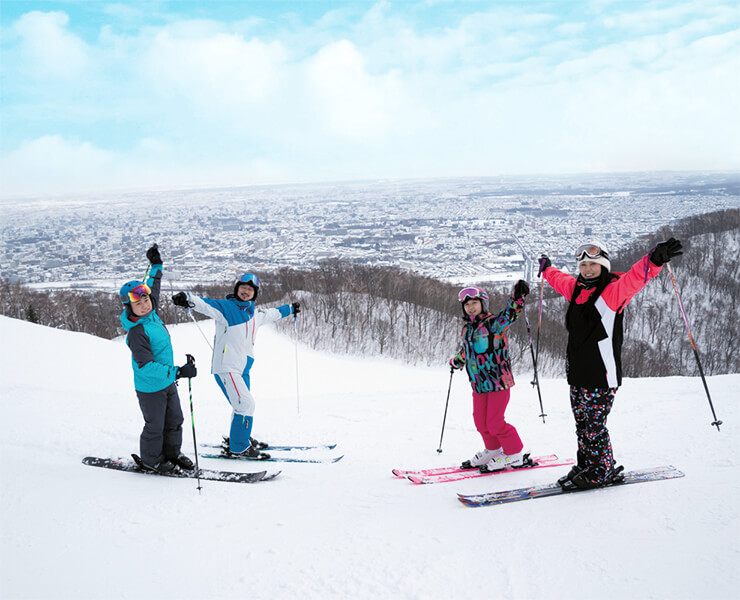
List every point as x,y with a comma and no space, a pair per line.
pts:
594,251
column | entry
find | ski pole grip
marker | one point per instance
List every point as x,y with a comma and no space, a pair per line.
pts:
190,359
542,266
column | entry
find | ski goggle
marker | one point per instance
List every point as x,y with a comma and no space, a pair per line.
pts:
249,278
470,293
139,291
590,251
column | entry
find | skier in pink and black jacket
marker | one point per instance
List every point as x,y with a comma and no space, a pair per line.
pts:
593,358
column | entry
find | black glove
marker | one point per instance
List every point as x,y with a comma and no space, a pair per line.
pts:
665,251
296,307
153,255
188,370
455,364
544,263
181,299
521,289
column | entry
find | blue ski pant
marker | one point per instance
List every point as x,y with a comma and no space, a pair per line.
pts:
236,389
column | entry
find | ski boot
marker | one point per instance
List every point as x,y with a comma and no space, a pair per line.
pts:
183,462
249,452
507,461
166,466
252,442
482,458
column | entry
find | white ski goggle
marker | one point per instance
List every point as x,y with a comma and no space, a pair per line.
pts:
590,251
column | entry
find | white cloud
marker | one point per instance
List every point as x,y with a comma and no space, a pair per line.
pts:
50,49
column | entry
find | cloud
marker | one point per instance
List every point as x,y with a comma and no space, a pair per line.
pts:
375,94
51,50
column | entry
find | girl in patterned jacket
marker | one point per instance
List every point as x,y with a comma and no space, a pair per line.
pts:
485,354
593,358
237,322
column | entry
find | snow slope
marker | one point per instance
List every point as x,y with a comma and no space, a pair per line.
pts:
348,530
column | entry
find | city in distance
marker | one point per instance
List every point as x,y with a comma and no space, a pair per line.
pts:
488,229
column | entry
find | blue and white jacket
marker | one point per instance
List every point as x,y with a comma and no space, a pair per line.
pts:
236,327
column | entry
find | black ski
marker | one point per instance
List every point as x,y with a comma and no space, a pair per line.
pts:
134,466
553,489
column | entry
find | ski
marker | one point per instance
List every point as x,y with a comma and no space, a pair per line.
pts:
553,489
457,469
263,446
133,466
273,458
538,463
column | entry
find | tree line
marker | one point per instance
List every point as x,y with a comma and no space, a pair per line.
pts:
366,310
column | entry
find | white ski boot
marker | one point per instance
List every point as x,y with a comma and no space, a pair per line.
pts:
482,458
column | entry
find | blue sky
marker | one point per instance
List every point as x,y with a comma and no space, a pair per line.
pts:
104,96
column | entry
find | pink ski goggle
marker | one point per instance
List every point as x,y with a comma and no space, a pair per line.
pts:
139,291
471,293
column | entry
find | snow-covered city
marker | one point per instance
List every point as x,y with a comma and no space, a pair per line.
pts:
456,230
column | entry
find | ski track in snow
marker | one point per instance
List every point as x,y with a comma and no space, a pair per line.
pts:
349,529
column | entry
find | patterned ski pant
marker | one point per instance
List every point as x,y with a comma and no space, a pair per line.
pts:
591,408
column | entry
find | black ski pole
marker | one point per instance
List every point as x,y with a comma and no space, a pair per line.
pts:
716,421
444,420
191,361
536,380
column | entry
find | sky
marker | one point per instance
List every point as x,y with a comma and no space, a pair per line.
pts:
98,96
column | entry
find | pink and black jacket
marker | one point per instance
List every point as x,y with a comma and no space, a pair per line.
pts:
594,322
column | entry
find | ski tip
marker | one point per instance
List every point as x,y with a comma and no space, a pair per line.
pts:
416,479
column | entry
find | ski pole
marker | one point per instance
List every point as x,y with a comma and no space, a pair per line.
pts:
716,421
542,293
199,329
297,389
191,361
444,420
536,380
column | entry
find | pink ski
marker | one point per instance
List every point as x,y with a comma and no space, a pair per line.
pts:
456,469
470,473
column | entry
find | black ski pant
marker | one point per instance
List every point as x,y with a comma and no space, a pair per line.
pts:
591,408
161,437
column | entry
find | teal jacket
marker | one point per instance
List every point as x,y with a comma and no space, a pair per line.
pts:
151,347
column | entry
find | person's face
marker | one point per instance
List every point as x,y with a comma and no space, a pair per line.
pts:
473,307
245,292
142,306
589,269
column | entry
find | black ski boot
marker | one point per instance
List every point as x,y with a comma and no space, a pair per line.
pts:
259,445
250,452
183,462
252,442
565,479
166,466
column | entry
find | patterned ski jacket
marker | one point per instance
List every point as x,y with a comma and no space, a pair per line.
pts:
236,327
484,349
594,354
150,344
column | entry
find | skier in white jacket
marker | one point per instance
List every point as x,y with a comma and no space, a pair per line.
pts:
237,322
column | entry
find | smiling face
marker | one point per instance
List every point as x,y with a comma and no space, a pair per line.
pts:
589,269
245,292
473,307
142,306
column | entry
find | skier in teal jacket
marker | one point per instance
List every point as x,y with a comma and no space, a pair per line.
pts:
154,371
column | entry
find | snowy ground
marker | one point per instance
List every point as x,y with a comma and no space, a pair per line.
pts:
349,530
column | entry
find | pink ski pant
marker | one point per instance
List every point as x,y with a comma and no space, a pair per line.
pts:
488,415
